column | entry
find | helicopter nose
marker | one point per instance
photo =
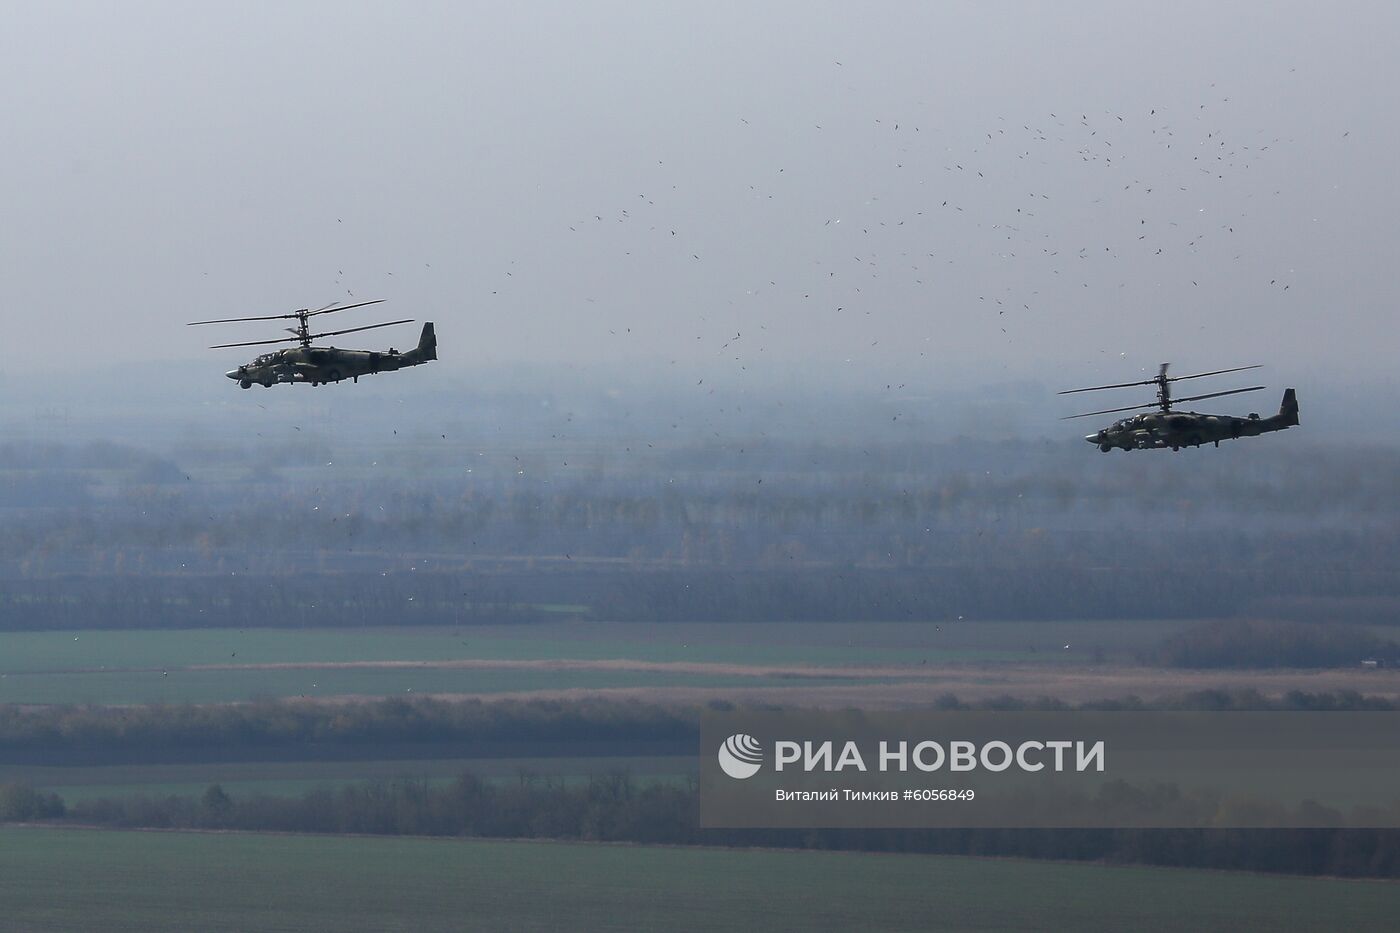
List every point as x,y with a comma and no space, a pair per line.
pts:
232,374
1092,438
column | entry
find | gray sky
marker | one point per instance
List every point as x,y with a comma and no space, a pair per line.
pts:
591,183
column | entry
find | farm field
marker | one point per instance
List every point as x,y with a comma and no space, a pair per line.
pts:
807,643
821,664
153,881
224,665
204,685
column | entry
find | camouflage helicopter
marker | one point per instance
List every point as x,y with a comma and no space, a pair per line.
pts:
318,365
1178,429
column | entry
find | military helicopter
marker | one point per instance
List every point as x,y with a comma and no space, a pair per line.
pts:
1178,429
318,365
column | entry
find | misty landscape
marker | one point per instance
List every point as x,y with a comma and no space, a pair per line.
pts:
308,528
588,510
753,331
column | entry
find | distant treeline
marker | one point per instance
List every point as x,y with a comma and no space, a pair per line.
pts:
638,593
109,536
1257,643
317,729
614,808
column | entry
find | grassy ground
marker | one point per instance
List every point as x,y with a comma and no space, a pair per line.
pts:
176,881
155,666
817,643
884,664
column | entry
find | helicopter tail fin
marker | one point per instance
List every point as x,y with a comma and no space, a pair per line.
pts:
427,343
1288,411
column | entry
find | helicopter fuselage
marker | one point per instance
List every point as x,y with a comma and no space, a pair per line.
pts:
318,365
1178,429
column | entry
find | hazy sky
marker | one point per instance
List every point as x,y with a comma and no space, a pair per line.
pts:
1067,191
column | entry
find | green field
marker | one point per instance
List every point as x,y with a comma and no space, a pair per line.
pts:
814,643
117,881
147,666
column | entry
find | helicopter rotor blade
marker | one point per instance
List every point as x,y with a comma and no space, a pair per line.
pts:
1189,398
1118,385
1197,398
304,312
1109,411
330,308
1217,372
255,343
1162,377
231,320
333,333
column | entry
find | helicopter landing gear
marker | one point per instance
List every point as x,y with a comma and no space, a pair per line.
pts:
245,383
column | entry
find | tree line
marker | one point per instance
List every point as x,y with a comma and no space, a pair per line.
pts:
1265,643
613,807
318,728
110,536
376,728
624,592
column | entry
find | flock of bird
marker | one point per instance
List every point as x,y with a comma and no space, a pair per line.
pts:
1024,217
